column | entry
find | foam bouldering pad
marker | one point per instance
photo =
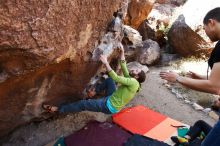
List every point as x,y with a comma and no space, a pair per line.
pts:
60,142
98,134
138,140
146,122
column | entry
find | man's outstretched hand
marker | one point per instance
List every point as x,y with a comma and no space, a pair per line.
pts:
169,76
103,59
193,75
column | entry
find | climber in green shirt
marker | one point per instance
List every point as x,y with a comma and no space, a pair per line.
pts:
129,85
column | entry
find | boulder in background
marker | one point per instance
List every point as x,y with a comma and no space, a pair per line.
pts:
149,54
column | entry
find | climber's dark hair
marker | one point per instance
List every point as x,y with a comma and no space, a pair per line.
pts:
90,87
215,108
212,14
141,77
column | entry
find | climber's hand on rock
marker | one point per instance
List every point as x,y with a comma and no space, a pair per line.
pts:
121,48
103,59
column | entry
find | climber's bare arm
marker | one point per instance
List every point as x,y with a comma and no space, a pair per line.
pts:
104,60
122,52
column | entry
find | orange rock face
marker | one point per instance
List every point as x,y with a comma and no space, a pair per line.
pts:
138,10
45,51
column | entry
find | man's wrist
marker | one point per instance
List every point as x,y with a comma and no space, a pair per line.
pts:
178,79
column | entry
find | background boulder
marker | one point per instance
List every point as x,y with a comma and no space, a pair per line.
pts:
186,35
138,10
185,41
149,54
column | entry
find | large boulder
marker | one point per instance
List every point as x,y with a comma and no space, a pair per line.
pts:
146,52
138,10
149,54
186,35
46,54
185,41
132,42
191,9
133,36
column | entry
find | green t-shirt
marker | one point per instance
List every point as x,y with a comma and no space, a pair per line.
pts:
126,91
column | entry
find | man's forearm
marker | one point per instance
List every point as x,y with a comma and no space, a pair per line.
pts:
202,77
199,85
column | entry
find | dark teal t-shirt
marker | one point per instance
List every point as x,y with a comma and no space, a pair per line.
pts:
215,55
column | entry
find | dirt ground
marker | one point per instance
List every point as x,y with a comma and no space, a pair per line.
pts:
153,95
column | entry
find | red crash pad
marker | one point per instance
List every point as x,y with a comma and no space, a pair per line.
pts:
143,121
138,120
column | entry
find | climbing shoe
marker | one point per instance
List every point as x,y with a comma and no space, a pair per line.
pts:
180,140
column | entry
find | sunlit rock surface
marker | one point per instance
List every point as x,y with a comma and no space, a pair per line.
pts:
46,50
